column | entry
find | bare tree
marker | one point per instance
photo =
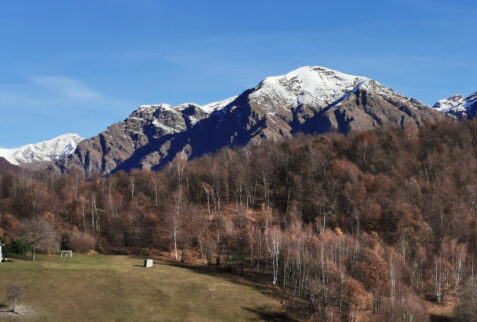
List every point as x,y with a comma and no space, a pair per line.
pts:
132,185
274,246
155,181
39,233
440,278
178,199
393,278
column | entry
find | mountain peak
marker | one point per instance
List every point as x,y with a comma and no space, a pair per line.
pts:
308,85
312,77
51,150
458,106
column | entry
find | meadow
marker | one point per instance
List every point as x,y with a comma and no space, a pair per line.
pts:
118,288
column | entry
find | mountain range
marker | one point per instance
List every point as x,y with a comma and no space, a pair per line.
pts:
310,100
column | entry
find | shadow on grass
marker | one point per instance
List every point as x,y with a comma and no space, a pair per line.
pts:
268,290
229,276
265,314
19,256
5,308
205,270
440,318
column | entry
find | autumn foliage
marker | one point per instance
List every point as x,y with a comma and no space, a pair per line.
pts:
367,226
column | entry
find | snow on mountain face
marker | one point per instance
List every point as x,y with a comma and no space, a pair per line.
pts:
211,107
455,101
317,86
314,86
208,108
169,120
458,106
307,85
51,150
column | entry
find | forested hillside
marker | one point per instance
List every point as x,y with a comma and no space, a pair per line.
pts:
369,226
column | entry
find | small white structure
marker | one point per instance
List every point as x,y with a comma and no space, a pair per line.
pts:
1,257
66,253
148,263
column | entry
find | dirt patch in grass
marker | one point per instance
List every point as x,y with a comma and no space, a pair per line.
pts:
23,312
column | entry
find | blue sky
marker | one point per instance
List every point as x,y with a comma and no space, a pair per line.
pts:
79,66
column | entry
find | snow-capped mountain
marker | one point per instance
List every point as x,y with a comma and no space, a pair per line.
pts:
51,150
311,100
458,106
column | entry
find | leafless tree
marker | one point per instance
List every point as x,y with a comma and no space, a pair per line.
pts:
39,233
274,245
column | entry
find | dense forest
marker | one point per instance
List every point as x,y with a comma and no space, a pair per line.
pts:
373,226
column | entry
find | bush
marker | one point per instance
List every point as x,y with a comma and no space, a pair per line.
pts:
17,246
82,242
65,242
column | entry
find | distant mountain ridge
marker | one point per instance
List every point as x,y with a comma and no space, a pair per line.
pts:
458,106
51,150
311,100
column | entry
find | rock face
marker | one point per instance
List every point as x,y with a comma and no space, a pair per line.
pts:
51,150
6,167
458,106
311,100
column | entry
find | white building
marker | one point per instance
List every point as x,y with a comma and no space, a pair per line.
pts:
1,257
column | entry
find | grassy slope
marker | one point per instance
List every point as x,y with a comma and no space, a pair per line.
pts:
117,288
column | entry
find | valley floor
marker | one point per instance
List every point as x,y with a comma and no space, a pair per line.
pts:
118,288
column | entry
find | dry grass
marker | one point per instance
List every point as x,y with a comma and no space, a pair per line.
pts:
117,288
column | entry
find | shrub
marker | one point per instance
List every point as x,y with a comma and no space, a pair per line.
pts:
82,242
17,246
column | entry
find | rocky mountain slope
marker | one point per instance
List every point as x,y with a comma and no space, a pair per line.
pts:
6,166
311,100
51,150
458,106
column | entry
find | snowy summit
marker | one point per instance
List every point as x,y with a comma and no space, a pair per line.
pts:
458,106
51,150
308,85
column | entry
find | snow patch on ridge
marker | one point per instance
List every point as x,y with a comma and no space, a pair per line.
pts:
211,107
208,108
165,128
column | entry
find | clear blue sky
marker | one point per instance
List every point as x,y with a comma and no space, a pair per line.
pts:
79,66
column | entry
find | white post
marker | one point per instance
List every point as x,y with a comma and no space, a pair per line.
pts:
1,257
148,263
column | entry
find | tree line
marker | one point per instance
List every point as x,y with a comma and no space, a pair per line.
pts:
367,226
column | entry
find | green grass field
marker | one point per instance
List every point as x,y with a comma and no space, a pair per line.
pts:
118,288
